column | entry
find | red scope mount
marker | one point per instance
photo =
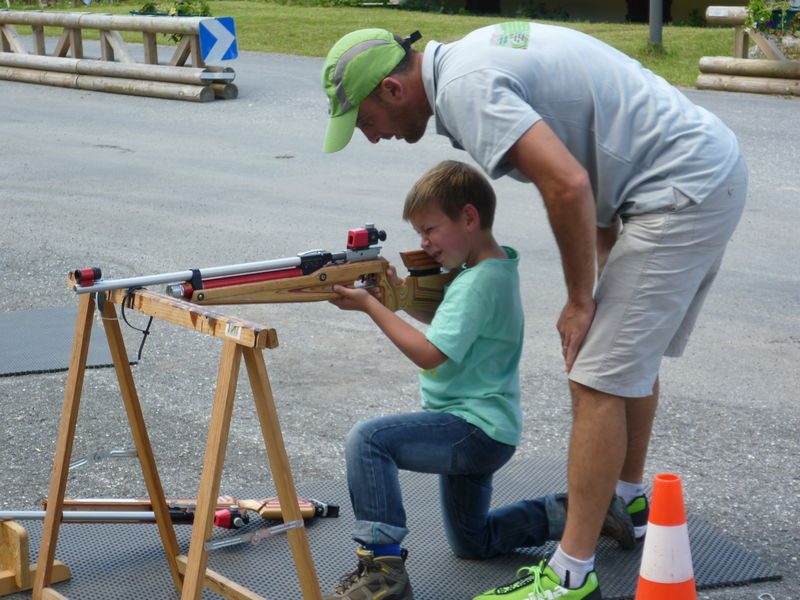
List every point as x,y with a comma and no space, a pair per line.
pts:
369,235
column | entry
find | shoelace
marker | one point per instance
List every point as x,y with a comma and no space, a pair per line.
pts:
347,581
522,574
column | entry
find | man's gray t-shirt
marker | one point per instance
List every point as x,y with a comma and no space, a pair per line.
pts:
636,135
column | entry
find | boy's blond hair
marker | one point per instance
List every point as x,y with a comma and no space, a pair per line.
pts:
450,186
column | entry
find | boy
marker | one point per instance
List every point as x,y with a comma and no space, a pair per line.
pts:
471,422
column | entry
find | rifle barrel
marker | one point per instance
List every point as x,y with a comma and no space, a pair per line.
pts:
102,285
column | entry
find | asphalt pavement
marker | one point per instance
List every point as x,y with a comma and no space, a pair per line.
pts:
140,186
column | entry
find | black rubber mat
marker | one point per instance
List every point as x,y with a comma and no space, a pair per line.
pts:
40,341
111,562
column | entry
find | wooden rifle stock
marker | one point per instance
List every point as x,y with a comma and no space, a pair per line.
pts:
422,290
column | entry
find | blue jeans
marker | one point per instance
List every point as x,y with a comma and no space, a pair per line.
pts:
465,459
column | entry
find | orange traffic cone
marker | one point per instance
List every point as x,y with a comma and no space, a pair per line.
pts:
666,572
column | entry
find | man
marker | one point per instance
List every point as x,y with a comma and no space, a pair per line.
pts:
638,182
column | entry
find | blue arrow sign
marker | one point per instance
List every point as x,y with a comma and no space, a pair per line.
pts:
218,40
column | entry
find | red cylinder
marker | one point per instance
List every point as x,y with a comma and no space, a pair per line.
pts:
87,276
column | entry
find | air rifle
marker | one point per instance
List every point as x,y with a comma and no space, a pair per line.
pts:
307,277
230,513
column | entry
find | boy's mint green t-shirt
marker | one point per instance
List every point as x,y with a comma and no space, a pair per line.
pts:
479,327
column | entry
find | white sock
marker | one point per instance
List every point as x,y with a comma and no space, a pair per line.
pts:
628,491
570,570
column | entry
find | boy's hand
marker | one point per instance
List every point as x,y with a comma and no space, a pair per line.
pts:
352,299
392,278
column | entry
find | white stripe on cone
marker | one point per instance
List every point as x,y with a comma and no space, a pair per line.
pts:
666,555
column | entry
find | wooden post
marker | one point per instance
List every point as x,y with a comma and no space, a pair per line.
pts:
133,409
14,569
741,42
106,50
16,572
181,53
767,46
38,40
66,436
197,55
150,48
75,42
281,471
208,493
116,46
11,41
62,45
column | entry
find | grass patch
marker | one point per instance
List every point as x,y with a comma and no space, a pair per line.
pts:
310,27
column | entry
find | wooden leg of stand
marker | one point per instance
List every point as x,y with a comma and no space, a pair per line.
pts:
141,440
208,493
16,572
281,471
66,435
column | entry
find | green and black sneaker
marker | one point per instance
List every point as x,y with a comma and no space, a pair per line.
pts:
639,510
540,582
618,523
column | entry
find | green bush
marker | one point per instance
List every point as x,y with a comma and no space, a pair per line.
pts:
178,8
772,17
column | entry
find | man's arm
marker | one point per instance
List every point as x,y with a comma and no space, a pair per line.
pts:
567,193
409,340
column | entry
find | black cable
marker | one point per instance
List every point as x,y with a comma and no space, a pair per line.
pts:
128,299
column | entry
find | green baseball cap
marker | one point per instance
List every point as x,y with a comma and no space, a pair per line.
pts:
355,66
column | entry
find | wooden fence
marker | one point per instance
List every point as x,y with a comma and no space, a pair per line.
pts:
184,77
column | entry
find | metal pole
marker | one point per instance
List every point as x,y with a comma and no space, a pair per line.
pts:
101,285
82,516
656,22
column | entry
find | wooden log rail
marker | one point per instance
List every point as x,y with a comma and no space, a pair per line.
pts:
184,77
775,75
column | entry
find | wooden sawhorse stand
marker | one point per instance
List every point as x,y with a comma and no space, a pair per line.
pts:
190,574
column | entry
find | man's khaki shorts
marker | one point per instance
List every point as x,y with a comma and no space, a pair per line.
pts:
653,286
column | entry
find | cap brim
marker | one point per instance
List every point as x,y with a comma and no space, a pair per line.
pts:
340,131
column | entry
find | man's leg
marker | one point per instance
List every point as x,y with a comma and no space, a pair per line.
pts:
631,490
596,455
639,416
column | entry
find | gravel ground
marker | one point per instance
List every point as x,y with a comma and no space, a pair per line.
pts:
141,186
